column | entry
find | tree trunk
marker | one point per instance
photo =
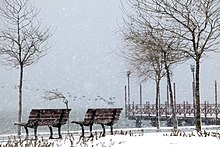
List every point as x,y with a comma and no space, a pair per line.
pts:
20,98
157,104
174,119
198,117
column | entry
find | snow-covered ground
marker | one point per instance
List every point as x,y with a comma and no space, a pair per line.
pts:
132,139
156,140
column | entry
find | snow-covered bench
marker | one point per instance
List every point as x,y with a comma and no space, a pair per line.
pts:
102,116
46,117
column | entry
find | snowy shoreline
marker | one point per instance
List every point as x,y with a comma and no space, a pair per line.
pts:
140,137
145,130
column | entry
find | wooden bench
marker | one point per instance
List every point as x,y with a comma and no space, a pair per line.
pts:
46,117
102,116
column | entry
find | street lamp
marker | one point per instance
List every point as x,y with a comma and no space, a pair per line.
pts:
128,75
192,67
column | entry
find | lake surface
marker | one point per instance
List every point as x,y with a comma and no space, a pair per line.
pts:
8,118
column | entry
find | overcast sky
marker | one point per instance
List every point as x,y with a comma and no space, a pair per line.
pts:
81,60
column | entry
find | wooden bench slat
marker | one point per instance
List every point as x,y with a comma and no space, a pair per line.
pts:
108,117
47,116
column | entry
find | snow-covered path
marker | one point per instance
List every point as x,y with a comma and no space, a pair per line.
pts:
151,140
156,140
163,139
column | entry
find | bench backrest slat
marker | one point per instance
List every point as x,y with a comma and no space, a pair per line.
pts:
89,116
107,116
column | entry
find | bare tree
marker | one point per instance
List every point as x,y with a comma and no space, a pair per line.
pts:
56,95
152,57
145,62
150,53
195,23
23,41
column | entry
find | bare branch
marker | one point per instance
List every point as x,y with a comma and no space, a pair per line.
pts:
29,41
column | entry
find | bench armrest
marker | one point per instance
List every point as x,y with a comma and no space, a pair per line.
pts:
20,124
77,122
85,123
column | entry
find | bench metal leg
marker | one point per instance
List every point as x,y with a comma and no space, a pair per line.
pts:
51,132
111,128
90,129
35,132
59,132
103,127
82,130
27,133
26,130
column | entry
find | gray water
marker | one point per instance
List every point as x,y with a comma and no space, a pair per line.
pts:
8,118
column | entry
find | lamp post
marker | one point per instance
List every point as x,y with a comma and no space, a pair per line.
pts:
128,75
140,104
126,108
192,67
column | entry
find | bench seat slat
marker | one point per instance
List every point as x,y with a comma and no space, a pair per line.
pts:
108,117
85,123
